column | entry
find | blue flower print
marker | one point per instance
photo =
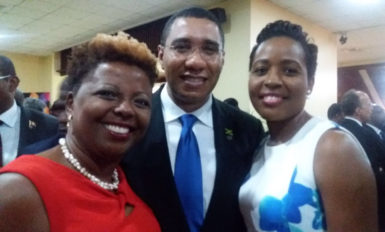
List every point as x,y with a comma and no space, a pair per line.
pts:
280,215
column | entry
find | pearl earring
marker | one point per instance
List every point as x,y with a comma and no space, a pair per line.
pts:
69,118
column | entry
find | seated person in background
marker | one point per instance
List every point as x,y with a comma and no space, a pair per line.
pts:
34,104
78,185
335,113
20,126
308,175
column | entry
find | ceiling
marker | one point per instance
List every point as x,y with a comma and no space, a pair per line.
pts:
361,21
40,27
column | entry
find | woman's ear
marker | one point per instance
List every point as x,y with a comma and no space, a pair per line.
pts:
69,103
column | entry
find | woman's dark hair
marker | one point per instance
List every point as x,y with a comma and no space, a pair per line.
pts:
295,32
108,48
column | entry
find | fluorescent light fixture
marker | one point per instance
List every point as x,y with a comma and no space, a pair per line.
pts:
365,2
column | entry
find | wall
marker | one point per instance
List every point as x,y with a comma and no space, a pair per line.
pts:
234,77
325,88
33,71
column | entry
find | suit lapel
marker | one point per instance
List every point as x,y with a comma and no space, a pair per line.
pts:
25,128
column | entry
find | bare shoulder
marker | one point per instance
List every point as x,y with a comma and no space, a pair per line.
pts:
21,206
346,182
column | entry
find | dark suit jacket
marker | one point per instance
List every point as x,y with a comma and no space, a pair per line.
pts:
376,153
35,126
148,170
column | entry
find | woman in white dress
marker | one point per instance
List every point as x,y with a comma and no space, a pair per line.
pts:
308,175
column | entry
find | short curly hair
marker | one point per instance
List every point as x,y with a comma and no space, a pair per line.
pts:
109,48
294,31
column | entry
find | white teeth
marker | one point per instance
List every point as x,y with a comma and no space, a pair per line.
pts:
118,129
272,99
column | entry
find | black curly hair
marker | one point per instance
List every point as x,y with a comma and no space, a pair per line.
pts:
295,32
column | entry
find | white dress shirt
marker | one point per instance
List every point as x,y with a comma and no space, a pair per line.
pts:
204,132
10,132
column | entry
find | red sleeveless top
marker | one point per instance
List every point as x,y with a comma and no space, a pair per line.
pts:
73,203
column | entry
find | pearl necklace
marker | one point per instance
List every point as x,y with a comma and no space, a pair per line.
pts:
70,158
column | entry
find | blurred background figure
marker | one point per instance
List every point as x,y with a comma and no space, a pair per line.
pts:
231,101
377,122
19,97
58,110
335,113
358,108
34,104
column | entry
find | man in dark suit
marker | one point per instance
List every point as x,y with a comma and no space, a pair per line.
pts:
358,109
191,54
19,126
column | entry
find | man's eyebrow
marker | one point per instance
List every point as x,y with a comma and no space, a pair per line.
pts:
180,40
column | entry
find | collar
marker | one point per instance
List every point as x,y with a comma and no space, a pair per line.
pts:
10,116
376,129
354,119
172,111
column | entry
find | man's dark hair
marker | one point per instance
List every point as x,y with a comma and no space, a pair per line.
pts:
334,110
295,32
350,101
192,12
6,67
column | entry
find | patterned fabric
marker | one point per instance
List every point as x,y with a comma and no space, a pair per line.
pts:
281,194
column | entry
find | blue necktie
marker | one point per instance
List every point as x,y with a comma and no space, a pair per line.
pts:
188,174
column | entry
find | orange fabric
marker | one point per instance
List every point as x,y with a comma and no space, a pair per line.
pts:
73,203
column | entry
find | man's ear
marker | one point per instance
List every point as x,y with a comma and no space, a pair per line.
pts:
160,55
13,83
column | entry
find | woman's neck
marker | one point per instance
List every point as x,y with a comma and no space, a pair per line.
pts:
284,130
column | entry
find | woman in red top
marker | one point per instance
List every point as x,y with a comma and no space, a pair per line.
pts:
78,185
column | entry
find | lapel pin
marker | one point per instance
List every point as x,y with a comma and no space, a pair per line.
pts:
229,134
31,124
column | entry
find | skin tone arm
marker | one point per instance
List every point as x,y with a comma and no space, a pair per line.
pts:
346,183
21,208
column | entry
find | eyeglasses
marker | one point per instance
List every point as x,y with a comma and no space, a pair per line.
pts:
3,77
208,52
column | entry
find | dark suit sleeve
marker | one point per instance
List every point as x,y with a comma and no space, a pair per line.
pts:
34,127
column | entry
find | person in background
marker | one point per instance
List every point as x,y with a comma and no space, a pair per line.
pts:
357,108
19,97
335,113
78,185
19,126
190,174
34,104
308,175
377,121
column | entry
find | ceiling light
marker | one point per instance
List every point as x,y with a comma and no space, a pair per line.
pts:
365,2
